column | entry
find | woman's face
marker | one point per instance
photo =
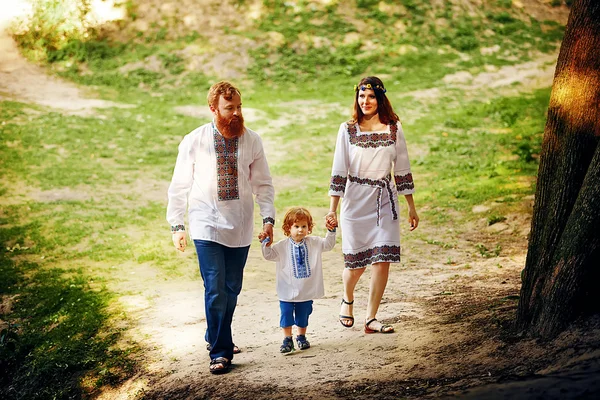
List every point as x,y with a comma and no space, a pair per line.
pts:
367,102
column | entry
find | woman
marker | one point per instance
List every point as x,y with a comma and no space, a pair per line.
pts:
369,148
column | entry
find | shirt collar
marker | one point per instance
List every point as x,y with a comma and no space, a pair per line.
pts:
292,241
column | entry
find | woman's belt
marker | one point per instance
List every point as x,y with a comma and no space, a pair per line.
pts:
380,184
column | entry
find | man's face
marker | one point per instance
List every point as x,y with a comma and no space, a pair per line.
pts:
228,116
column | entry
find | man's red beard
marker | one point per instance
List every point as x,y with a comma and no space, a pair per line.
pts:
230,128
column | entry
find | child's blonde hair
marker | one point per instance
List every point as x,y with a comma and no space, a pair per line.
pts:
296,214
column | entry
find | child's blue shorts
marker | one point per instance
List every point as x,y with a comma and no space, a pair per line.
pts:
293,313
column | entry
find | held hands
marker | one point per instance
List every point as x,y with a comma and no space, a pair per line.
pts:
262,236
331,220
180,241
267,233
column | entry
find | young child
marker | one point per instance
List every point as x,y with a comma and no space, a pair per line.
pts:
299,272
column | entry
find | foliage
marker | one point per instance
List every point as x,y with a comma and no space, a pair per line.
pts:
53,24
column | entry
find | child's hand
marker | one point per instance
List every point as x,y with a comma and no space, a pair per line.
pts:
264,237
330,223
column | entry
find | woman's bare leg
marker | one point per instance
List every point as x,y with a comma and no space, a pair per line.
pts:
350,278
379,278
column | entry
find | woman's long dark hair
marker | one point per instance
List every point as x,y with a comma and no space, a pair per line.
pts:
384,107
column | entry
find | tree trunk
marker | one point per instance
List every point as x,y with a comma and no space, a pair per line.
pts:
561,276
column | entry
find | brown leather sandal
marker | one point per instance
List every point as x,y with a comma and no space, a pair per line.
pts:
219,365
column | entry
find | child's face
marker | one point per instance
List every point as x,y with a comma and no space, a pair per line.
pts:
299,230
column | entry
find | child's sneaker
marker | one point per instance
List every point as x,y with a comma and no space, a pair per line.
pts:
287,346
303,344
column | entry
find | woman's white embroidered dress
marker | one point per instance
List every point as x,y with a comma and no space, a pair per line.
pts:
363,164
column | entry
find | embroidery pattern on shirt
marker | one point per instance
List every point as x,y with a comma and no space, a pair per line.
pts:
338,183
372,140
300,264
404,182
177,228
384,253
226,151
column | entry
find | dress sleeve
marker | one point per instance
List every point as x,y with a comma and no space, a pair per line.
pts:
262,184
339,170
402,175
181,182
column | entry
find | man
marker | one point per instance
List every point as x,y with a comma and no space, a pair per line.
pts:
219,168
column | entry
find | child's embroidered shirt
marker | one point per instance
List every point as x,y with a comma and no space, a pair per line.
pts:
299,266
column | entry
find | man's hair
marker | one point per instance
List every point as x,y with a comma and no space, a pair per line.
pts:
223,88
296,214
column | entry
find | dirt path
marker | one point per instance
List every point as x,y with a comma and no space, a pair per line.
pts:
450,305
23,81
170,318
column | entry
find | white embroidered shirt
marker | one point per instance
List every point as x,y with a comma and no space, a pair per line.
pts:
216,180
299,266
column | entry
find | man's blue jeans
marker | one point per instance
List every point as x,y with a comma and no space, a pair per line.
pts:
222,270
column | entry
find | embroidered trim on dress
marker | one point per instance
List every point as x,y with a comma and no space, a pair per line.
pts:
338,183
227,169
372,140
385,253
177,228
269,220
381,184
404,182
299,255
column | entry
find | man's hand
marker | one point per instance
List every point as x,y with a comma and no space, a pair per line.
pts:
180,240
267,232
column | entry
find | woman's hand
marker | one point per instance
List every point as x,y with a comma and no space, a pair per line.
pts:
413,219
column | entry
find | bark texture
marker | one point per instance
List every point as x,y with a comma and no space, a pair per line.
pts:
562,270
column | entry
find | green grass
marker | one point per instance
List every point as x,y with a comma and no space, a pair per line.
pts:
59,342
61,253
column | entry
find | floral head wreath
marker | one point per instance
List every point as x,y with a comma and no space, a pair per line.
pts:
369,86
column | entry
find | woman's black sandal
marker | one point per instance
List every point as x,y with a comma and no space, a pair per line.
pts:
385,328
347,317
223,362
